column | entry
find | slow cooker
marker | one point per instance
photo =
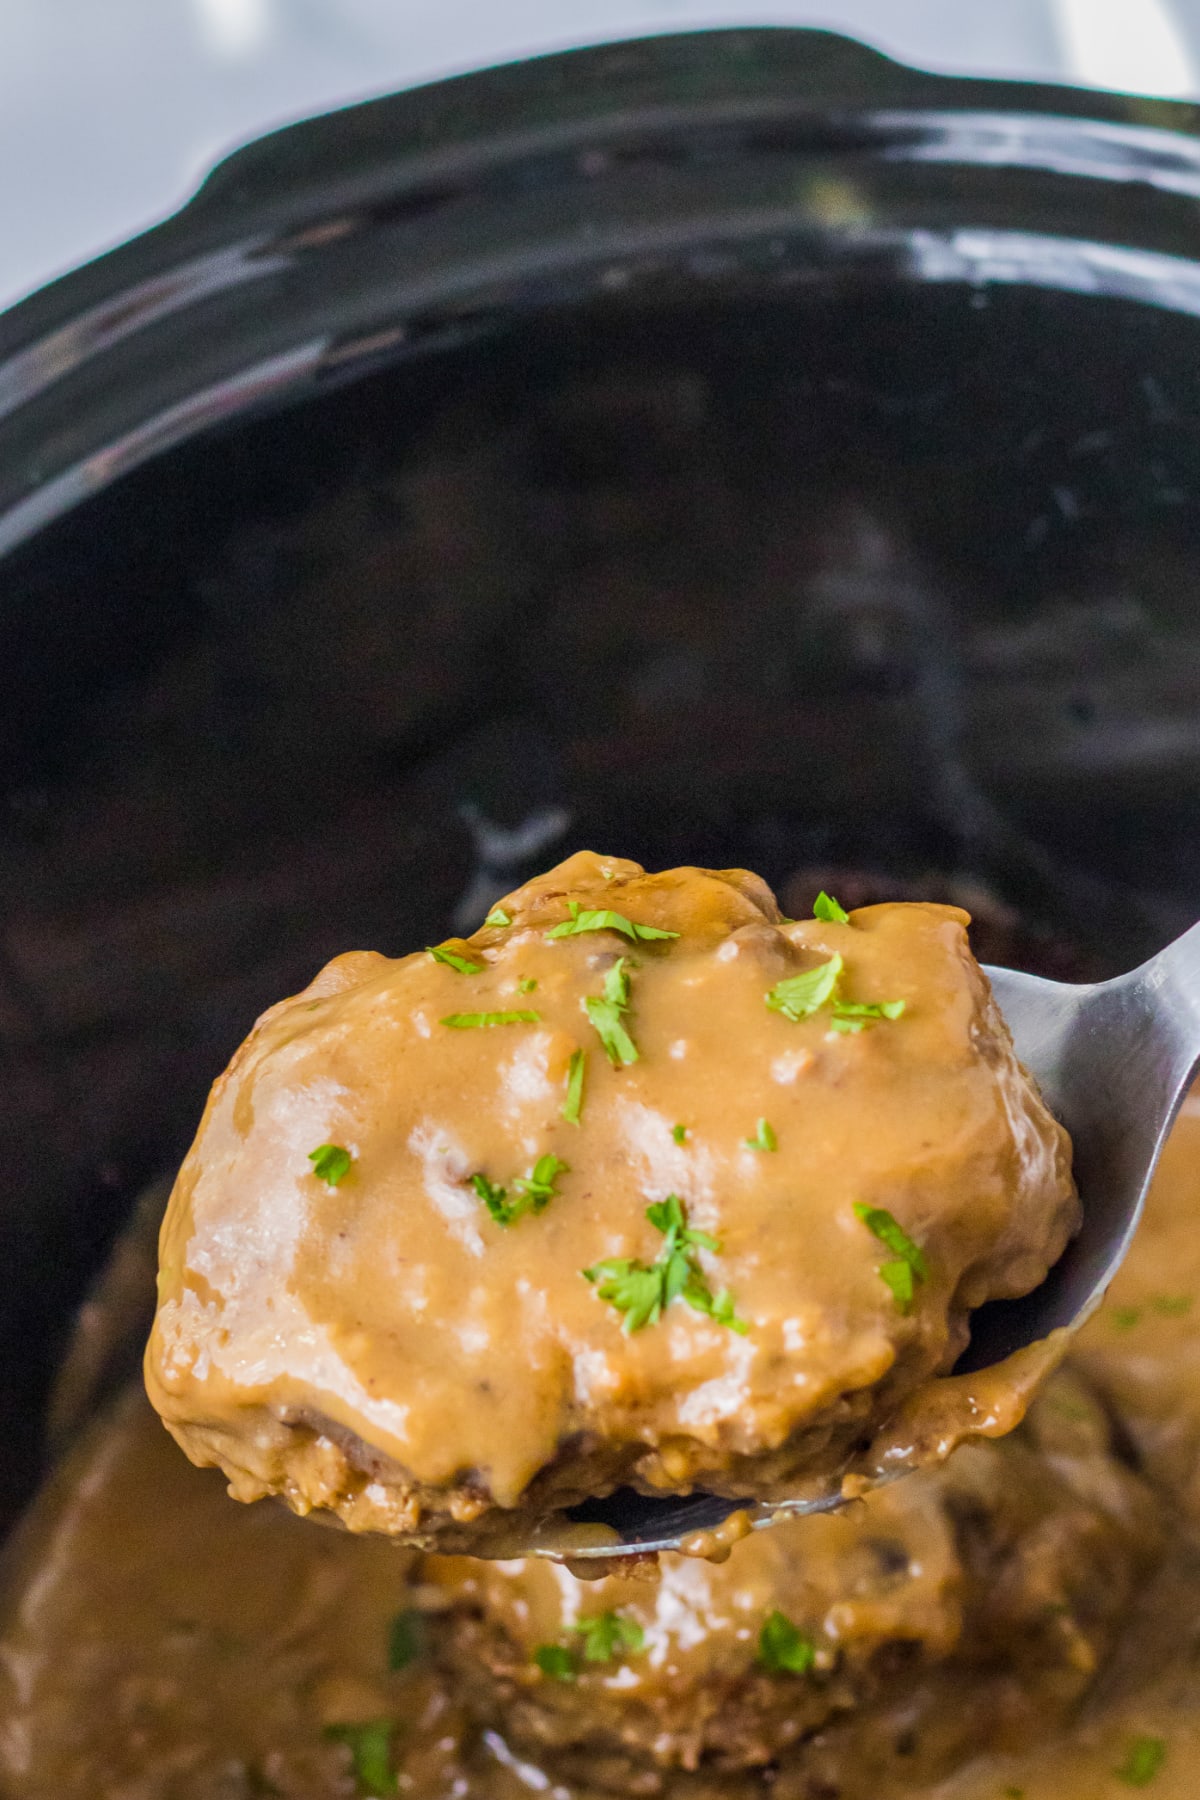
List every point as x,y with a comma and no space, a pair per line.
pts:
721,448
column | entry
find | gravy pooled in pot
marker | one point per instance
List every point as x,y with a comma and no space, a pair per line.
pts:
641,1184
191,1649
975,1602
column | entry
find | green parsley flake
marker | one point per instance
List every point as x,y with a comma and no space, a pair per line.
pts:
826,908
478,1021
406,1638
1014,1793
453,960
494,1198
607,1635
720,1309
670,1217
887,1229
643,1291
1172,1306
910,1266
555,1661
1124,1318
800,996
573,1104
764,1138
783,1648
497,916
603,919
679,1133
1144,1759
898,1276
534,1191
856,1015
527,984
330,1163
634,1288
538,1186
370,1747
605,1014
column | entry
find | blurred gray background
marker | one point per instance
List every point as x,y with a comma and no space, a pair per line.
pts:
111,110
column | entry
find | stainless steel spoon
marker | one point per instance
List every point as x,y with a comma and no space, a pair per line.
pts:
1114,1060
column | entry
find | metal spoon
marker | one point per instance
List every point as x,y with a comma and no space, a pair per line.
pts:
1114,1060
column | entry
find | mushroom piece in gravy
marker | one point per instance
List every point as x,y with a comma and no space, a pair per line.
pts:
641,1184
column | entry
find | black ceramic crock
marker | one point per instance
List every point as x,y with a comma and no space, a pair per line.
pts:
731,448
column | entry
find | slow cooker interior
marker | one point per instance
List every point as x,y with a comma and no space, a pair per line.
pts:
893,579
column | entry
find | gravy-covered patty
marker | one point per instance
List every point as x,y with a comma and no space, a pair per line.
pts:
158,1643
985,1594
642,1184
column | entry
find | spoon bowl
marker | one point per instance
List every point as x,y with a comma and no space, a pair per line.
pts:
1114,1060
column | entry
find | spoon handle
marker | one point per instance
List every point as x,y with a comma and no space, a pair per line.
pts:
1131,1063
1172,980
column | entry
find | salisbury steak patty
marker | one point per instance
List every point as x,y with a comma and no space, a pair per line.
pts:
964,1606
642,1183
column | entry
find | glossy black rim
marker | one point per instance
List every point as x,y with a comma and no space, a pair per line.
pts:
766,157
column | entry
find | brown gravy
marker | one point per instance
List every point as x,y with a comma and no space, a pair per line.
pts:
157,1643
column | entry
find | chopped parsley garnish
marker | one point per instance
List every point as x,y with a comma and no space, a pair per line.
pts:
856,1015
679,1133
538,1186
643,1291
406,1638
1125,1318
605,1014
888,1230
634,1288
495,1199
764,1138
331,1163
826,908
453,960
719,1307
783,1648
370,1748
800,996
1143,1760
573,1104
603,919
534,1191
607,1635
910,1266
497,916
898,1276
556,1661
477,1021
527,984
